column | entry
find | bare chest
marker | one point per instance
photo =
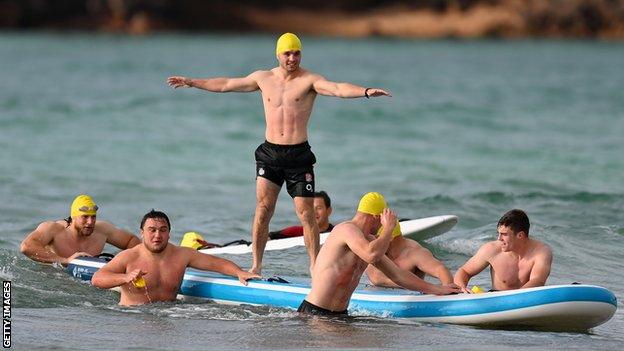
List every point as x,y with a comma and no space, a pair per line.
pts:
296,93
65,245
511,272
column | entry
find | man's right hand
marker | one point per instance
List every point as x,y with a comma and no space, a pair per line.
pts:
135,274
255,270
65,261
448,289
388,219
178,82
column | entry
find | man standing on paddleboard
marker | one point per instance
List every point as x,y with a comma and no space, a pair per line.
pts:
288,92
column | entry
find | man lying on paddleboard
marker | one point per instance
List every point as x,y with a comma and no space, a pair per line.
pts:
349,249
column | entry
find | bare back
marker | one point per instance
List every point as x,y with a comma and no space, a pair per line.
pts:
287,104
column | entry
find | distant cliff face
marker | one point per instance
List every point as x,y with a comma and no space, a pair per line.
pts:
427,18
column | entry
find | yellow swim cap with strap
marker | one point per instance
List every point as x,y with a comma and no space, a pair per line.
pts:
372,203
191,239
287,42
83,205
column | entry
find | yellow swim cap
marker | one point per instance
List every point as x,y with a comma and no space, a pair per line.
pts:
190,239
83,205
372,203
395,232
287,42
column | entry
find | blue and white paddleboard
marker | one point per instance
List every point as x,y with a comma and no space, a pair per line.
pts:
557,307
417,229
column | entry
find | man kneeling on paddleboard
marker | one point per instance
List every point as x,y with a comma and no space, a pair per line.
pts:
154,270
350,247
409,255
516,261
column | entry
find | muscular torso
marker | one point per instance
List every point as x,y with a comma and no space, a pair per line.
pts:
65,243
510,271
163,278
287,105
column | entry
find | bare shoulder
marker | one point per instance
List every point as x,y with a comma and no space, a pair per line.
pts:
126,256
344,228
261,73
489,249
541,248
313,76
413,245
99,224
51,227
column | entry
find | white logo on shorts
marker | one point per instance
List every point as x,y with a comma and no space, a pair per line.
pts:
309,187
261,171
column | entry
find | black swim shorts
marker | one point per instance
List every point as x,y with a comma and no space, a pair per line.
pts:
291,163
307,307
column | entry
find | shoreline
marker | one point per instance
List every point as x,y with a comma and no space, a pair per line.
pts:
583,19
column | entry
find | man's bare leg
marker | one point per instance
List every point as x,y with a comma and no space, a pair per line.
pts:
304,206
266,197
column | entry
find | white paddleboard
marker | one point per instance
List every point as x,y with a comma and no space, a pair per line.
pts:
417,229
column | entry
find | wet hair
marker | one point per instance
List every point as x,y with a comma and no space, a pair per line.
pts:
517,220
155,214
325,197
68,220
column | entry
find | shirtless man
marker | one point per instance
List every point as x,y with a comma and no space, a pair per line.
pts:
288,93
322,211
409,255
81,234
349,249
516,261
154,270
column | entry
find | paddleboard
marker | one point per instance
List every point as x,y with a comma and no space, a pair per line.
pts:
417,229
557,307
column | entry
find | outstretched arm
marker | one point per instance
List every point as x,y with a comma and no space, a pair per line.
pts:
216,264
36,245
426,262
410,281
217,85
345,90
472,267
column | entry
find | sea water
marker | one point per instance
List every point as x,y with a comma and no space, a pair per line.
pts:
473,128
